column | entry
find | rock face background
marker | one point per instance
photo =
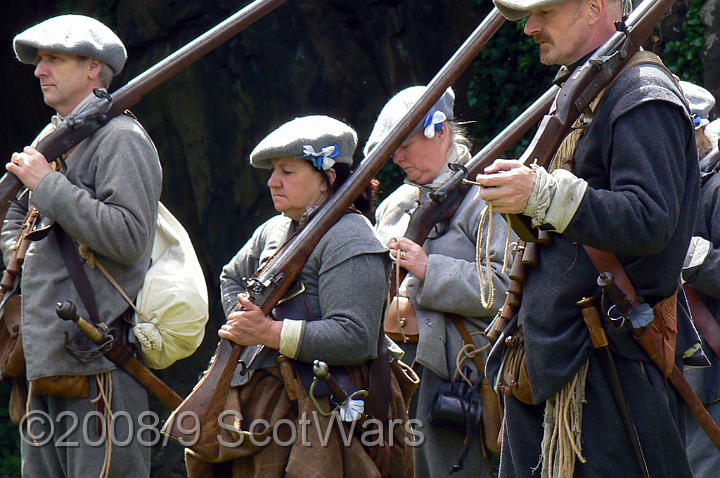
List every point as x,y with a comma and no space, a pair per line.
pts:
343,58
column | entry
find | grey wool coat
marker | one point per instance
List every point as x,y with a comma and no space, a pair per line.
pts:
107,199
345,283
451,285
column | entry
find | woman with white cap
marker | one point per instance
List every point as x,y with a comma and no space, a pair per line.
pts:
335,319
443,282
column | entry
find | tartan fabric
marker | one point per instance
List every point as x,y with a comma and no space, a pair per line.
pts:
320,449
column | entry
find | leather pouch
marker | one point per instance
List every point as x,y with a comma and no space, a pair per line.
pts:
12,359
513,376
661,334
400,322
68,386
491,418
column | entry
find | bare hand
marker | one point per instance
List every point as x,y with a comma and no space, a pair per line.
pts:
30,166
507,185
412,256
250,326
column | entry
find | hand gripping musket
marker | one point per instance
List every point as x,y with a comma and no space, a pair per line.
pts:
207,399
442,203
106,107
583,86
119,355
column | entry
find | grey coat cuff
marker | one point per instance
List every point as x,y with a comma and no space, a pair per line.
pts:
555,198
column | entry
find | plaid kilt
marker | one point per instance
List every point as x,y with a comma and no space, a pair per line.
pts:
295,440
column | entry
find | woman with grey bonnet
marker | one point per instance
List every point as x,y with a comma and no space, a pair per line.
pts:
335,319
446,282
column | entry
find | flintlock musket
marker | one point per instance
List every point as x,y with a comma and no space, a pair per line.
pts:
207,400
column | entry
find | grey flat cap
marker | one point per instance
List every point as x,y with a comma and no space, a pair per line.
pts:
515,10
701,102
322,140
398,106
713,130
76,34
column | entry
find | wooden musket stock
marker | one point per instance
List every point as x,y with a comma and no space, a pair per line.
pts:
73,132
207,399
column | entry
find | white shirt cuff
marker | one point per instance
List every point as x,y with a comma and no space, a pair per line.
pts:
290,335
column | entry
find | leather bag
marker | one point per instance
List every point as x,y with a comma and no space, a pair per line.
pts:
513,375
12,359
401,323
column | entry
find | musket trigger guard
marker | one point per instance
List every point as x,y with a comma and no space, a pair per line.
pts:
89,354
616,318
315,400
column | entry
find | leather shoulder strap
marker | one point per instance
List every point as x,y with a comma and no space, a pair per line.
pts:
467,338
74,266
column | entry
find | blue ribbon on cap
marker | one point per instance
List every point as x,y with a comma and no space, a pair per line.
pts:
323,159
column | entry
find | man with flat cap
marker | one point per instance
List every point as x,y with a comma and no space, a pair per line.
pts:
102,195
626,190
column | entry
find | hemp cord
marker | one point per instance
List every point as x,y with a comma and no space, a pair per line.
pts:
487,298
468,352
87,254
104,384
397,293
562,436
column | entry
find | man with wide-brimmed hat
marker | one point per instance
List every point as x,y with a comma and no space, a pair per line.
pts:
627,188
103,194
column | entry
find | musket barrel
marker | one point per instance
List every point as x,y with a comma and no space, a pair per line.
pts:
162,71
208,397
65,138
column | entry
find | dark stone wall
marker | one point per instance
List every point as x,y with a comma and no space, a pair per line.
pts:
343,58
